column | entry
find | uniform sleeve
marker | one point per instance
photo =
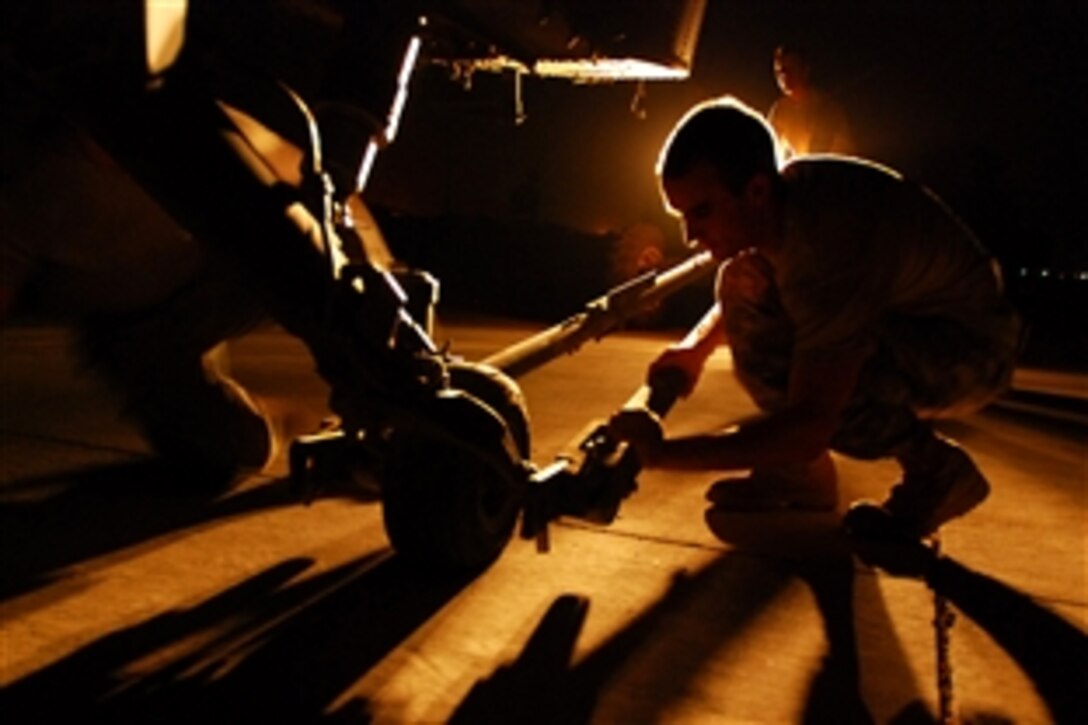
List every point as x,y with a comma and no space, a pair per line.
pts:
834,297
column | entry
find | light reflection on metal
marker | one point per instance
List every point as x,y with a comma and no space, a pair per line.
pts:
601,316
408,64
582,70
366,165
642,40
519,100
392,121
282,157
609,69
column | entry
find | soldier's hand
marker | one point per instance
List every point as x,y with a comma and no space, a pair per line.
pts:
641,429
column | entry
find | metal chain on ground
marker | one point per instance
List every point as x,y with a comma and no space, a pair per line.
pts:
943,619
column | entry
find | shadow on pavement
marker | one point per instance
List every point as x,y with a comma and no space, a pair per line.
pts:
49,523
811,547
1052,652
543,685
270,649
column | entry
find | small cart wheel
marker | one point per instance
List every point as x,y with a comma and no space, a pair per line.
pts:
453,503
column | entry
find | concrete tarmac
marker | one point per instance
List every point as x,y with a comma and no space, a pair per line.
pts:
126,600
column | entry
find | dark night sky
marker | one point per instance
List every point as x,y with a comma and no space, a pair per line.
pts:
983,101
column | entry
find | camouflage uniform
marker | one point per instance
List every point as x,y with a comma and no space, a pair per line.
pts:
942,352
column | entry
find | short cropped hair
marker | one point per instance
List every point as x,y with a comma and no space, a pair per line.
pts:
729,135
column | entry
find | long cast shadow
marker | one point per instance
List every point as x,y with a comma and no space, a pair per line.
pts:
812,548
266,650
1052,652
543,686
53,522
834,693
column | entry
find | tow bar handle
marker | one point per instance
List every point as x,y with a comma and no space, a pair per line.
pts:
591,485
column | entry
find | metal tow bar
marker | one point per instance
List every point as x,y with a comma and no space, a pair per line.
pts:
460,503
600,317
591,484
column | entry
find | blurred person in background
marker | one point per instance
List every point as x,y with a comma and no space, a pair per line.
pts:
806,118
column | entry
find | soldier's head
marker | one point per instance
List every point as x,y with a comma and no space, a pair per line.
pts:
718,173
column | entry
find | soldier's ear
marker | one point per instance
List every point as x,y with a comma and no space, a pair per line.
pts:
758,189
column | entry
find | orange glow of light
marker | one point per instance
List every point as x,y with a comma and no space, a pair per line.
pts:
585,70
164,32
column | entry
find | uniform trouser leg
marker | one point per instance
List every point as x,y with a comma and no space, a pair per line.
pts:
923,369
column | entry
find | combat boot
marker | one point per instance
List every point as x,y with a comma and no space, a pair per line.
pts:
940,482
